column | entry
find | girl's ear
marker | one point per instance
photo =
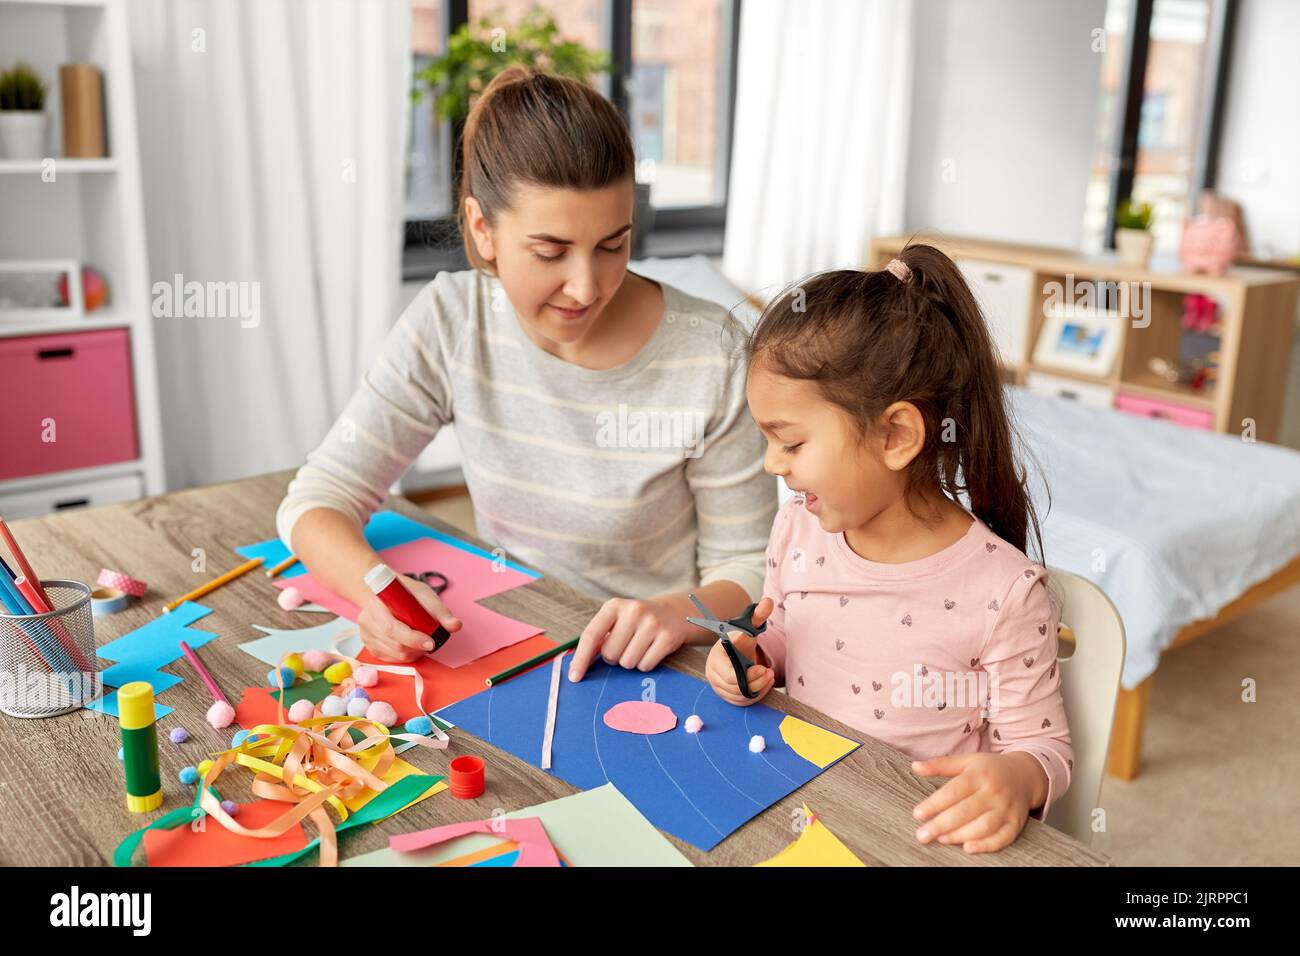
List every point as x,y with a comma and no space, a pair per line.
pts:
479,230
904,434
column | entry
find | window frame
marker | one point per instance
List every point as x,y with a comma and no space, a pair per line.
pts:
433,244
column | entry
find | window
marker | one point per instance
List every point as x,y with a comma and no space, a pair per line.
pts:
673,78
1161,80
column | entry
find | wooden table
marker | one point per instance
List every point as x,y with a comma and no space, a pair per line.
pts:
61,795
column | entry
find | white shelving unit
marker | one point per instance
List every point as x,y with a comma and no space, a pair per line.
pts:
93,213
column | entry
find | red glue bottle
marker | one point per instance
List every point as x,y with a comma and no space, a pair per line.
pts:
382,580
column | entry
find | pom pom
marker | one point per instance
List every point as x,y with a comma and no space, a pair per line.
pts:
338,672
381,712
333,707
221,715
179,735
419,725
239,737
295,662
302,710
204,767
757,744
290,598
694,724
278,677
366,676
356,693
357,707
230,806
120,754
317,660
189,776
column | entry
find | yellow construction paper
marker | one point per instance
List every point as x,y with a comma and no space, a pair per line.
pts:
396,772
815,744
816,846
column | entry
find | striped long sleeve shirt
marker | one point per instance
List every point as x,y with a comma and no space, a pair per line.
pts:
629,481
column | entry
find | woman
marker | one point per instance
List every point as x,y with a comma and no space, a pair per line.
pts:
601,416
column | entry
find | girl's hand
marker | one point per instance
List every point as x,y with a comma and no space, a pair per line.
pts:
388,638
722,676
985,804
629,633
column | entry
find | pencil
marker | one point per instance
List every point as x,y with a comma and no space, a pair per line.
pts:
282,566
213,584
546,655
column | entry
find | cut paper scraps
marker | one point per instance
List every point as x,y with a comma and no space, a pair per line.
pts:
597,827
309,772
213,845
640,717
140,654
385,529
471,578
698,787
816,846
814,744
527,833
279,642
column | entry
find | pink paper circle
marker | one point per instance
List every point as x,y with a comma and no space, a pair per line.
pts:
640,717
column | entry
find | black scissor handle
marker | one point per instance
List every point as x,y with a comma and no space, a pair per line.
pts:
739,662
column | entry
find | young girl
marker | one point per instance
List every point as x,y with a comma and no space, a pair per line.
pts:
601,416
890,606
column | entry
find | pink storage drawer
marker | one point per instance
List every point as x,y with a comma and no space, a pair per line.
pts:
1148,407
81,380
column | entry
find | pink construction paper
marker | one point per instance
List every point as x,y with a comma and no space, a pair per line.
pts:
535,847
470,579
640,717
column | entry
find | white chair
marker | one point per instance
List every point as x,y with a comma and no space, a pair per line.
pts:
1090,681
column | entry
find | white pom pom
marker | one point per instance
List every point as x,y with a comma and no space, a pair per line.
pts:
757,744
221,714
694,724
290,598
382,712
333,707
302,710
357,707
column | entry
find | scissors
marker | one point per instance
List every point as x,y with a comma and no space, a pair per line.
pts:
745,622
425,576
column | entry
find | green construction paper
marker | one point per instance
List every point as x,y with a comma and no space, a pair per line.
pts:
385,803
314,690
598,827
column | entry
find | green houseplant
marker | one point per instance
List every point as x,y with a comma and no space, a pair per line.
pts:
22,116
1133,239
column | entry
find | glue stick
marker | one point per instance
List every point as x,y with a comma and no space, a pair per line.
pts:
139,747
382,580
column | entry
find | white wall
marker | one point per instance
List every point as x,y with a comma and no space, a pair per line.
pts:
1004,96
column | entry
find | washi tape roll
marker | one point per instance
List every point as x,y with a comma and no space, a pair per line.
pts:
107,601
122,582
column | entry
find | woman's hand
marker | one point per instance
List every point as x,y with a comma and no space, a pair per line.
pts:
631,634
985,804
722,676
388,638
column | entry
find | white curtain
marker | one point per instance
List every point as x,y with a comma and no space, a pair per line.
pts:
272,136
821,136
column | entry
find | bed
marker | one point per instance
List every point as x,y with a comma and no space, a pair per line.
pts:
1183,529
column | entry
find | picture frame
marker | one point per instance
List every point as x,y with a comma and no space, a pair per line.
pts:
1079,340
26,282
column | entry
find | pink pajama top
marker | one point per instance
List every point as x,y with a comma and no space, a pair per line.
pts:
951,654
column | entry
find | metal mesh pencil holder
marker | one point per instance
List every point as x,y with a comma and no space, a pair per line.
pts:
47,661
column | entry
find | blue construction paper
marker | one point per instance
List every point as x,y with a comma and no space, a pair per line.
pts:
505,859
108,705
119,675
385,529
158,643
698,787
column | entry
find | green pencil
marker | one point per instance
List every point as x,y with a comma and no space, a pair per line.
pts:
510,672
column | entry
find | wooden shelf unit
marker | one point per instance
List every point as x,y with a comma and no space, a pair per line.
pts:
1257,311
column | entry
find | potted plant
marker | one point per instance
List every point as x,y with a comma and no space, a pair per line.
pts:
478,51
22,117
1133,239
